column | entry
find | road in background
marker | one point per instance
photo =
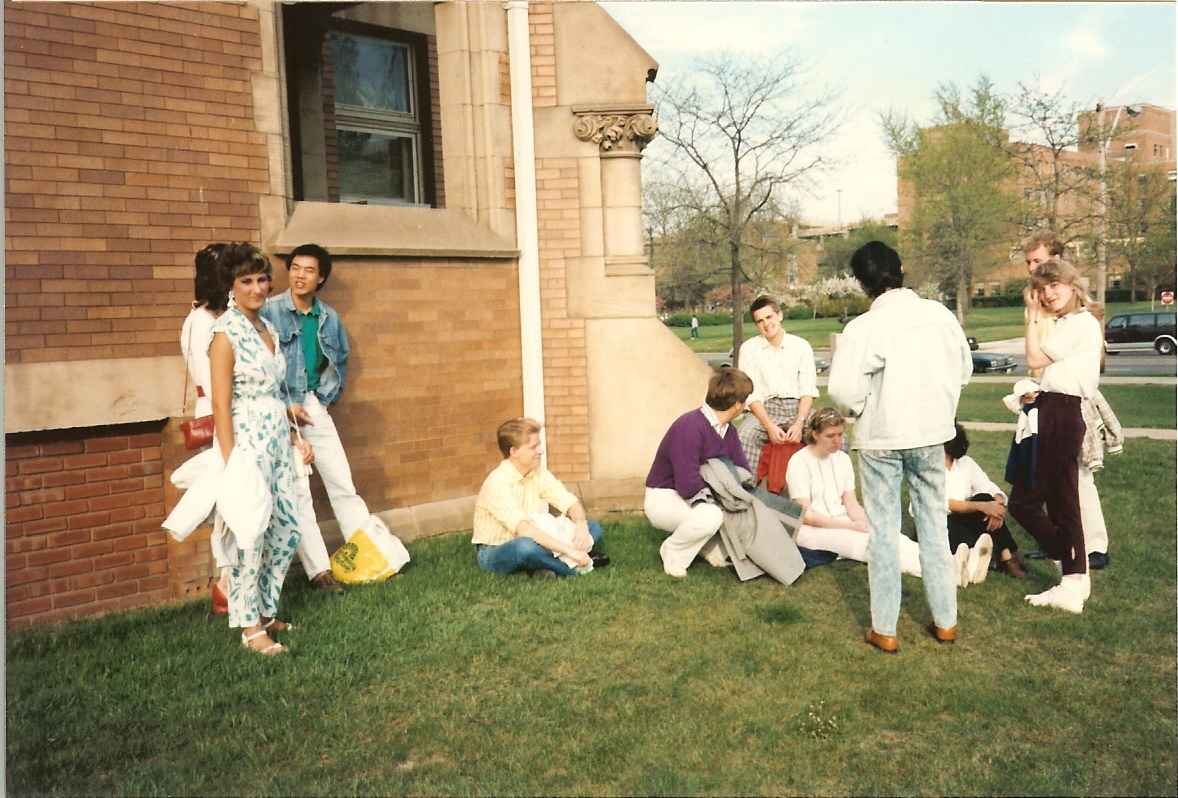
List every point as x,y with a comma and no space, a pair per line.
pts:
1125,364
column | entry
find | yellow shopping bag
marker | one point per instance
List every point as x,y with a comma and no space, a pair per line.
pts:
371,554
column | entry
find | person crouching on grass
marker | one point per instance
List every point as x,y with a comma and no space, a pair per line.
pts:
1070,359
512,506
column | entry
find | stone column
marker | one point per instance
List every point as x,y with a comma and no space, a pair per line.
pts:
621,133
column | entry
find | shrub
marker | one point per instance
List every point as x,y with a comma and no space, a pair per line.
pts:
705,319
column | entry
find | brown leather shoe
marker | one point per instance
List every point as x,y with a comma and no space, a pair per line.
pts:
326,583
885,643
942,635
1012,567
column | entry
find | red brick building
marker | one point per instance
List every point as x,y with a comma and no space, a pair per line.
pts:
475,286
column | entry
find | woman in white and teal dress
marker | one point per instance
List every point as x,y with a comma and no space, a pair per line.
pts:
256,496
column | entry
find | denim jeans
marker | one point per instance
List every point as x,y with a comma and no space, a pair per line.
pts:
882,471
525,554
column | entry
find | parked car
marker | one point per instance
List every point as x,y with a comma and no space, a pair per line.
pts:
991,363
1140,332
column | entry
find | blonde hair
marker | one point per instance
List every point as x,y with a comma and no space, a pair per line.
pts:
1060,270
822,419
514,433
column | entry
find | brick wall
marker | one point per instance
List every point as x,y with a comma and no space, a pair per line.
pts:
129,145
566,393
435,103
435,368
83,522
543,51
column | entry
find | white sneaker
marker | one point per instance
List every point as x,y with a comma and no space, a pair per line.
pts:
1067,596
979,559
675,572
961,558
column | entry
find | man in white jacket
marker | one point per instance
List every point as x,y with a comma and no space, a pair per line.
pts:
899,369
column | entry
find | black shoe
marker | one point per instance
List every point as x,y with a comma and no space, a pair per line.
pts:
1035,554
600,559
1097,560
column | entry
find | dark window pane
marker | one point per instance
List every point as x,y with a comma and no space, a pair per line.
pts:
371,73
375,167
1141,320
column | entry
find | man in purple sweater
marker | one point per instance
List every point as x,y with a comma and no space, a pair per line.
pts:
676,499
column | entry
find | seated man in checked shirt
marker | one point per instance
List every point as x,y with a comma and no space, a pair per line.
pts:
785,382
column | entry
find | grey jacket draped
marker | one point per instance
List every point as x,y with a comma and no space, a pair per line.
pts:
754,532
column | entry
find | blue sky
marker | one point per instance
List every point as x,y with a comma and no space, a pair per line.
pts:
894,54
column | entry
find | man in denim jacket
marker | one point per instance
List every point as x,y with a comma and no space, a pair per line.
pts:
315,345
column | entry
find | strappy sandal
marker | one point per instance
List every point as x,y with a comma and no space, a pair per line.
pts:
277,626
272,650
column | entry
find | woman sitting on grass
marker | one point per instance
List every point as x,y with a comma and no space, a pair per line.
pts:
821,479
977,514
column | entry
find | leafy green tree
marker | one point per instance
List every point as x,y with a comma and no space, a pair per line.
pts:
960,175
1141,223
837,250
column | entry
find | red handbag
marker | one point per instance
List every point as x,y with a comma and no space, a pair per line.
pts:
198,433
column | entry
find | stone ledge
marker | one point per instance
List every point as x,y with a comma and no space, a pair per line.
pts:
92,393
386,230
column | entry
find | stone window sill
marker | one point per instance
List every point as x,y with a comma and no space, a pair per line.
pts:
384,230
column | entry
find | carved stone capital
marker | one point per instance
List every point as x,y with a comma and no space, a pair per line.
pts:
616,129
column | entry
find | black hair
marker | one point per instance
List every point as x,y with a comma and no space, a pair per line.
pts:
877,268
957,447
321,255
237,260
206,285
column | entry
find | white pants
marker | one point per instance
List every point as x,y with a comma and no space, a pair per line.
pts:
693,529
332,466
1091,516
852,545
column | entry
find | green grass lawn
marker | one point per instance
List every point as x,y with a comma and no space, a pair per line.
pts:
450,681
985,324
1135,405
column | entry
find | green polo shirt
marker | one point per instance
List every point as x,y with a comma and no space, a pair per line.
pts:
313,360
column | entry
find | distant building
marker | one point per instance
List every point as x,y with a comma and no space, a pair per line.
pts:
1144,133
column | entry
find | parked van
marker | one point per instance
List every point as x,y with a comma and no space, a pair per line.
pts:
1138,332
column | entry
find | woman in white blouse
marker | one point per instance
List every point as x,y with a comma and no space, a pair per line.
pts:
208,304
977,513
1045,498
821,479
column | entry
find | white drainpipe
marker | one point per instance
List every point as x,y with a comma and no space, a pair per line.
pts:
526,224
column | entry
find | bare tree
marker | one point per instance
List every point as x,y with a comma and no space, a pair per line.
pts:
959,173
1058,182
743,130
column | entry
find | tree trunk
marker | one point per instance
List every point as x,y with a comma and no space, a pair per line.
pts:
962,297
1132,282
737,310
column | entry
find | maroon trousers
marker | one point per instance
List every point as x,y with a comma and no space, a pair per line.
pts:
1057,528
